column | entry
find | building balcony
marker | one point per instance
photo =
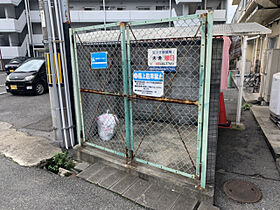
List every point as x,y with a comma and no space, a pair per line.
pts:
9,52
13,25
219,15
111,16
37,39
13,2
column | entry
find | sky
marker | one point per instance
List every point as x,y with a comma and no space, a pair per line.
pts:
231,10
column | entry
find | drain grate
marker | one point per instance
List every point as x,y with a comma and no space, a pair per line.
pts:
242,191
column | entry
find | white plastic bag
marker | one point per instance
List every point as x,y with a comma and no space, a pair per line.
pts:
106,124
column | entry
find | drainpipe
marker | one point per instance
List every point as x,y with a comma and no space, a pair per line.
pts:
104,10
53,89
60,95
64,69
170,11
29,29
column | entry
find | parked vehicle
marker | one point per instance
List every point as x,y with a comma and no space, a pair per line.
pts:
29,77
14,64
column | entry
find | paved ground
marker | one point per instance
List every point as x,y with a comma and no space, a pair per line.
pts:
245,155
33,188
26,112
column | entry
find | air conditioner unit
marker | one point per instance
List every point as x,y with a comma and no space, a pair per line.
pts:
274,104
271,66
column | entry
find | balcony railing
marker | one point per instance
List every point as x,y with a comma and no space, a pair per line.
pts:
14,2
13,25
111,16
15,51
219,15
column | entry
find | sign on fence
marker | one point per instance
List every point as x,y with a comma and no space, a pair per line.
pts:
99,60
148,83
164,59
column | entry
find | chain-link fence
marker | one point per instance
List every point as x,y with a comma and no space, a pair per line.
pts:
149,85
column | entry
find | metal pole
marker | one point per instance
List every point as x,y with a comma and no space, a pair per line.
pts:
29,28
170,11
58,76
104,10
64,70
75,88
53,89
239,102
125,85
129,90
206,105
201,93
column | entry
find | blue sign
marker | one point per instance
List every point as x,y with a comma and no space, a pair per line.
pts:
99,60
148,83
153,76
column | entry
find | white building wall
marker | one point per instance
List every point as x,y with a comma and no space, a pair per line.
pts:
13,29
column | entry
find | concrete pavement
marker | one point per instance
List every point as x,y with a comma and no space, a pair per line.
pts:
27,113
24,149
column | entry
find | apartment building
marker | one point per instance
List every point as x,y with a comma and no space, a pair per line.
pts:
261,52
20,22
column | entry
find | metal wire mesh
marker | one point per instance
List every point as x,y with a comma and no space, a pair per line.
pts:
102,80
164,133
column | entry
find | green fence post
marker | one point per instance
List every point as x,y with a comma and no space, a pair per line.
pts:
200,100
125,86
129,90
229,80
206,99
75,88
78,92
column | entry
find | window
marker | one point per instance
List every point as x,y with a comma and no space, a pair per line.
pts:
272,42
143,8
31,65
162,8
108,8
89,8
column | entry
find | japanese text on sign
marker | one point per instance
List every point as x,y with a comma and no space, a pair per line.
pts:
164,59
148,83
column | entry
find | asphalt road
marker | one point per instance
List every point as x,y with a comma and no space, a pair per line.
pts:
245,155
34,188
27,113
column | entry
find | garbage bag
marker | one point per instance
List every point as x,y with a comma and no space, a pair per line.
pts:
106,124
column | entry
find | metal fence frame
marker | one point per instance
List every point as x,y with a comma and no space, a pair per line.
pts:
204,90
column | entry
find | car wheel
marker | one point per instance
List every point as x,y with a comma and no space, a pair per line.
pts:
39,89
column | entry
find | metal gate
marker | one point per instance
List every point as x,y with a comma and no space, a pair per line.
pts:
161,110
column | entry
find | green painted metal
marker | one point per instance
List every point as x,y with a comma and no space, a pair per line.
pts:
79,93
90,28
164,20
201,91
165,168
125,85
129,88
204,90
105,149
229,80
75,88
206,99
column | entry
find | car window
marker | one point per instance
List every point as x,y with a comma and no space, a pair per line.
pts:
31,65
15,61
